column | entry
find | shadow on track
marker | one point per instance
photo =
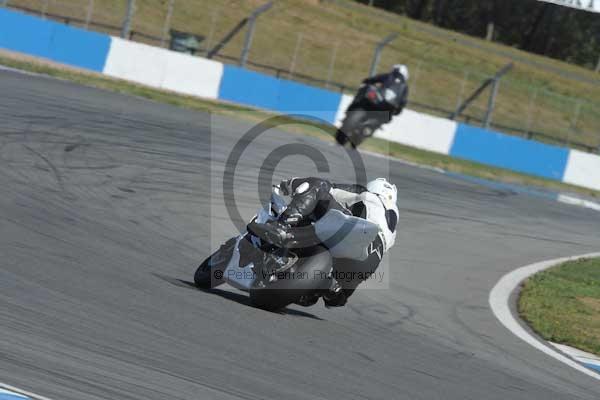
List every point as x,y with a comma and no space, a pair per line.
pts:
237,297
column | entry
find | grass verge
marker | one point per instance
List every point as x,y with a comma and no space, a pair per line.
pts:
562,304
397,150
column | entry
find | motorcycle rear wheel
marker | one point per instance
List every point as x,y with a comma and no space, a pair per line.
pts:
312,274
353,128
341,137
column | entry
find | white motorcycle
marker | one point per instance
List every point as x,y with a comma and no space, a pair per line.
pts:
277,277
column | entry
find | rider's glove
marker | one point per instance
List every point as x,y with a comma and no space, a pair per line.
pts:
337,300
286,187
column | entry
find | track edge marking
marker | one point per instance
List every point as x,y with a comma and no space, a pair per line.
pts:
500,303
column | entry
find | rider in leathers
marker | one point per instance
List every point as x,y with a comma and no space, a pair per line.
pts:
397,81
311,198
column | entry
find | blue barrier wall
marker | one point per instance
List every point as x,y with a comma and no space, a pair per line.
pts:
248,87
309,100
509,152
25,34
79,48
258,90
57,42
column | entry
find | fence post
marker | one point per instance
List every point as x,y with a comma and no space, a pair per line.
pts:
491,103
295,56
490,32
490,81
332,64
378,49
44,9
574,121
128,19
167,25
89,13
250,32
213,27
463,86
415,79
532,100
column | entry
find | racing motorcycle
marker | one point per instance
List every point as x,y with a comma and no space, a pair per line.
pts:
369,110
276,277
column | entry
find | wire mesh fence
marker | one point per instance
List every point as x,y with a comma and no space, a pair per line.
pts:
338,58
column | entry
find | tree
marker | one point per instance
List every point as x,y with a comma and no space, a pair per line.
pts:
544,28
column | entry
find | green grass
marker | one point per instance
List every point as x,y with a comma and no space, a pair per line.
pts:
326,133
562,304
443,70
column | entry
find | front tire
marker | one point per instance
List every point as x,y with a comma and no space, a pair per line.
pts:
210,273
204,276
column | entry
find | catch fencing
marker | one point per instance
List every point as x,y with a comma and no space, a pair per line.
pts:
338,60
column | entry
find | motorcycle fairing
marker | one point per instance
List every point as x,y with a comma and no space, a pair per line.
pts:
239,277
346,236
244,277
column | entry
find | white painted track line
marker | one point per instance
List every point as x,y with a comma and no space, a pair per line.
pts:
20,392
578,202
500,303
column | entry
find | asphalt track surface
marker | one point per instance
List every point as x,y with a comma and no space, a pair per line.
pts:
109,202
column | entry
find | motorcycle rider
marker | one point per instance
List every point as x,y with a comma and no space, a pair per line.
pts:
395,88
397,81
311,198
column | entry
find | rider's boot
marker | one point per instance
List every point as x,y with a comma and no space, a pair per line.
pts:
308,300
335,295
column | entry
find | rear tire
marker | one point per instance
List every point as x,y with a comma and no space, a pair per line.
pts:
341,138
274,299
353,128
283,292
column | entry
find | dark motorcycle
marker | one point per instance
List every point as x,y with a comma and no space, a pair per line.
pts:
367,113
276,277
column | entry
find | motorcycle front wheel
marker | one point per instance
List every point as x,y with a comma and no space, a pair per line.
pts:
210,273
